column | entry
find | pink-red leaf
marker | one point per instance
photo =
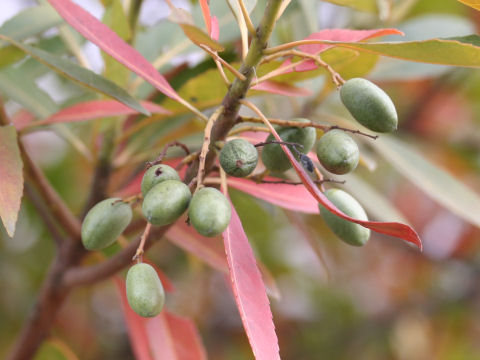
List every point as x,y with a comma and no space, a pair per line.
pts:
292,197
211,22
338,35
395,229
98,109
11,178
174,338
215,33
279,88
105,38
249,290
135,326
207,249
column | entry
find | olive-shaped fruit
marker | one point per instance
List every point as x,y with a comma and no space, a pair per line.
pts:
337,152
273,156
349,232
104,223
209,212
238,158
155,175
166,202
145,293
369,105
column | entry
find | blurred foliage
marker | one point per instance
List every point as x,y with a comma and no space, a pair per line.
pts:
383,301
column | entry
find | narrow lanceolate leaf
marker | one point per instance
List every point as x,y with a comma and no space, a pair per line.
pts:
395,229
96,109
196,35
472,3
135,326
80,75
106,39
173,337
459,51
206,15
436,182
249,290
291,197
275,87
11,178
343,35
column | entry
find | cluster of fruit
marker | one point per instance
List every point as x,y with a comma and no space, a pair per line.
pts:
336,151
166,197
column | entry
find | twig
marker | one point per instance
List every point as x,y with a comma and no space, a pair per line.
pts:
206,145
294,44
216,57
247,128
164,152
246,16
139,253
293,144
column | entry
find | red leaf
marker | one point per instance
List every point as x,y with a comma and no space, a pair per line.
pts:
105,38
338,35
215,33
135,325
11,178
174,338
292,197
97,109
22,118
276,87
395,229
209,250
206,15
249,291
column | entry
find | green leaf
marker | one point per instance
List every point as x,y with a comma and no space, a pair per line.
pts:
458,51
11,178
22,89
80,75
436,182
362,5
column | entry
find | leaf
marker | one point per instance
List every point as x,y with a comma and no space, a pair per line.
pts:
395,229
291,197
206,15
55,349
439,184
459,51
343,35
362,5
249,290
209,250
96,109
472,3
11,178
275,87
112,44
196,35
173,337
135,325
79,74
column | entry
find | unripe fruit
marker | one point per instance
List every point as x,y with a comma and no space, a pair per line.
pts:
209,212
273,156
337,152
347,231
155,175
166,202
369,105
104,223
145,293
238,158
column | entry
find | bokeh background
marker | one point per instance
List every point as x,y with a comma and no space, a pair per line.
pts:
386,300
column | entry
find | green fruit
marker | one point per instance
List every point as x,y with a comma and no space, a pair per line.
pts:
349,232
238,158
369,105
166,202
273,156
337,152
209,212
145,293
104,223
155,175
